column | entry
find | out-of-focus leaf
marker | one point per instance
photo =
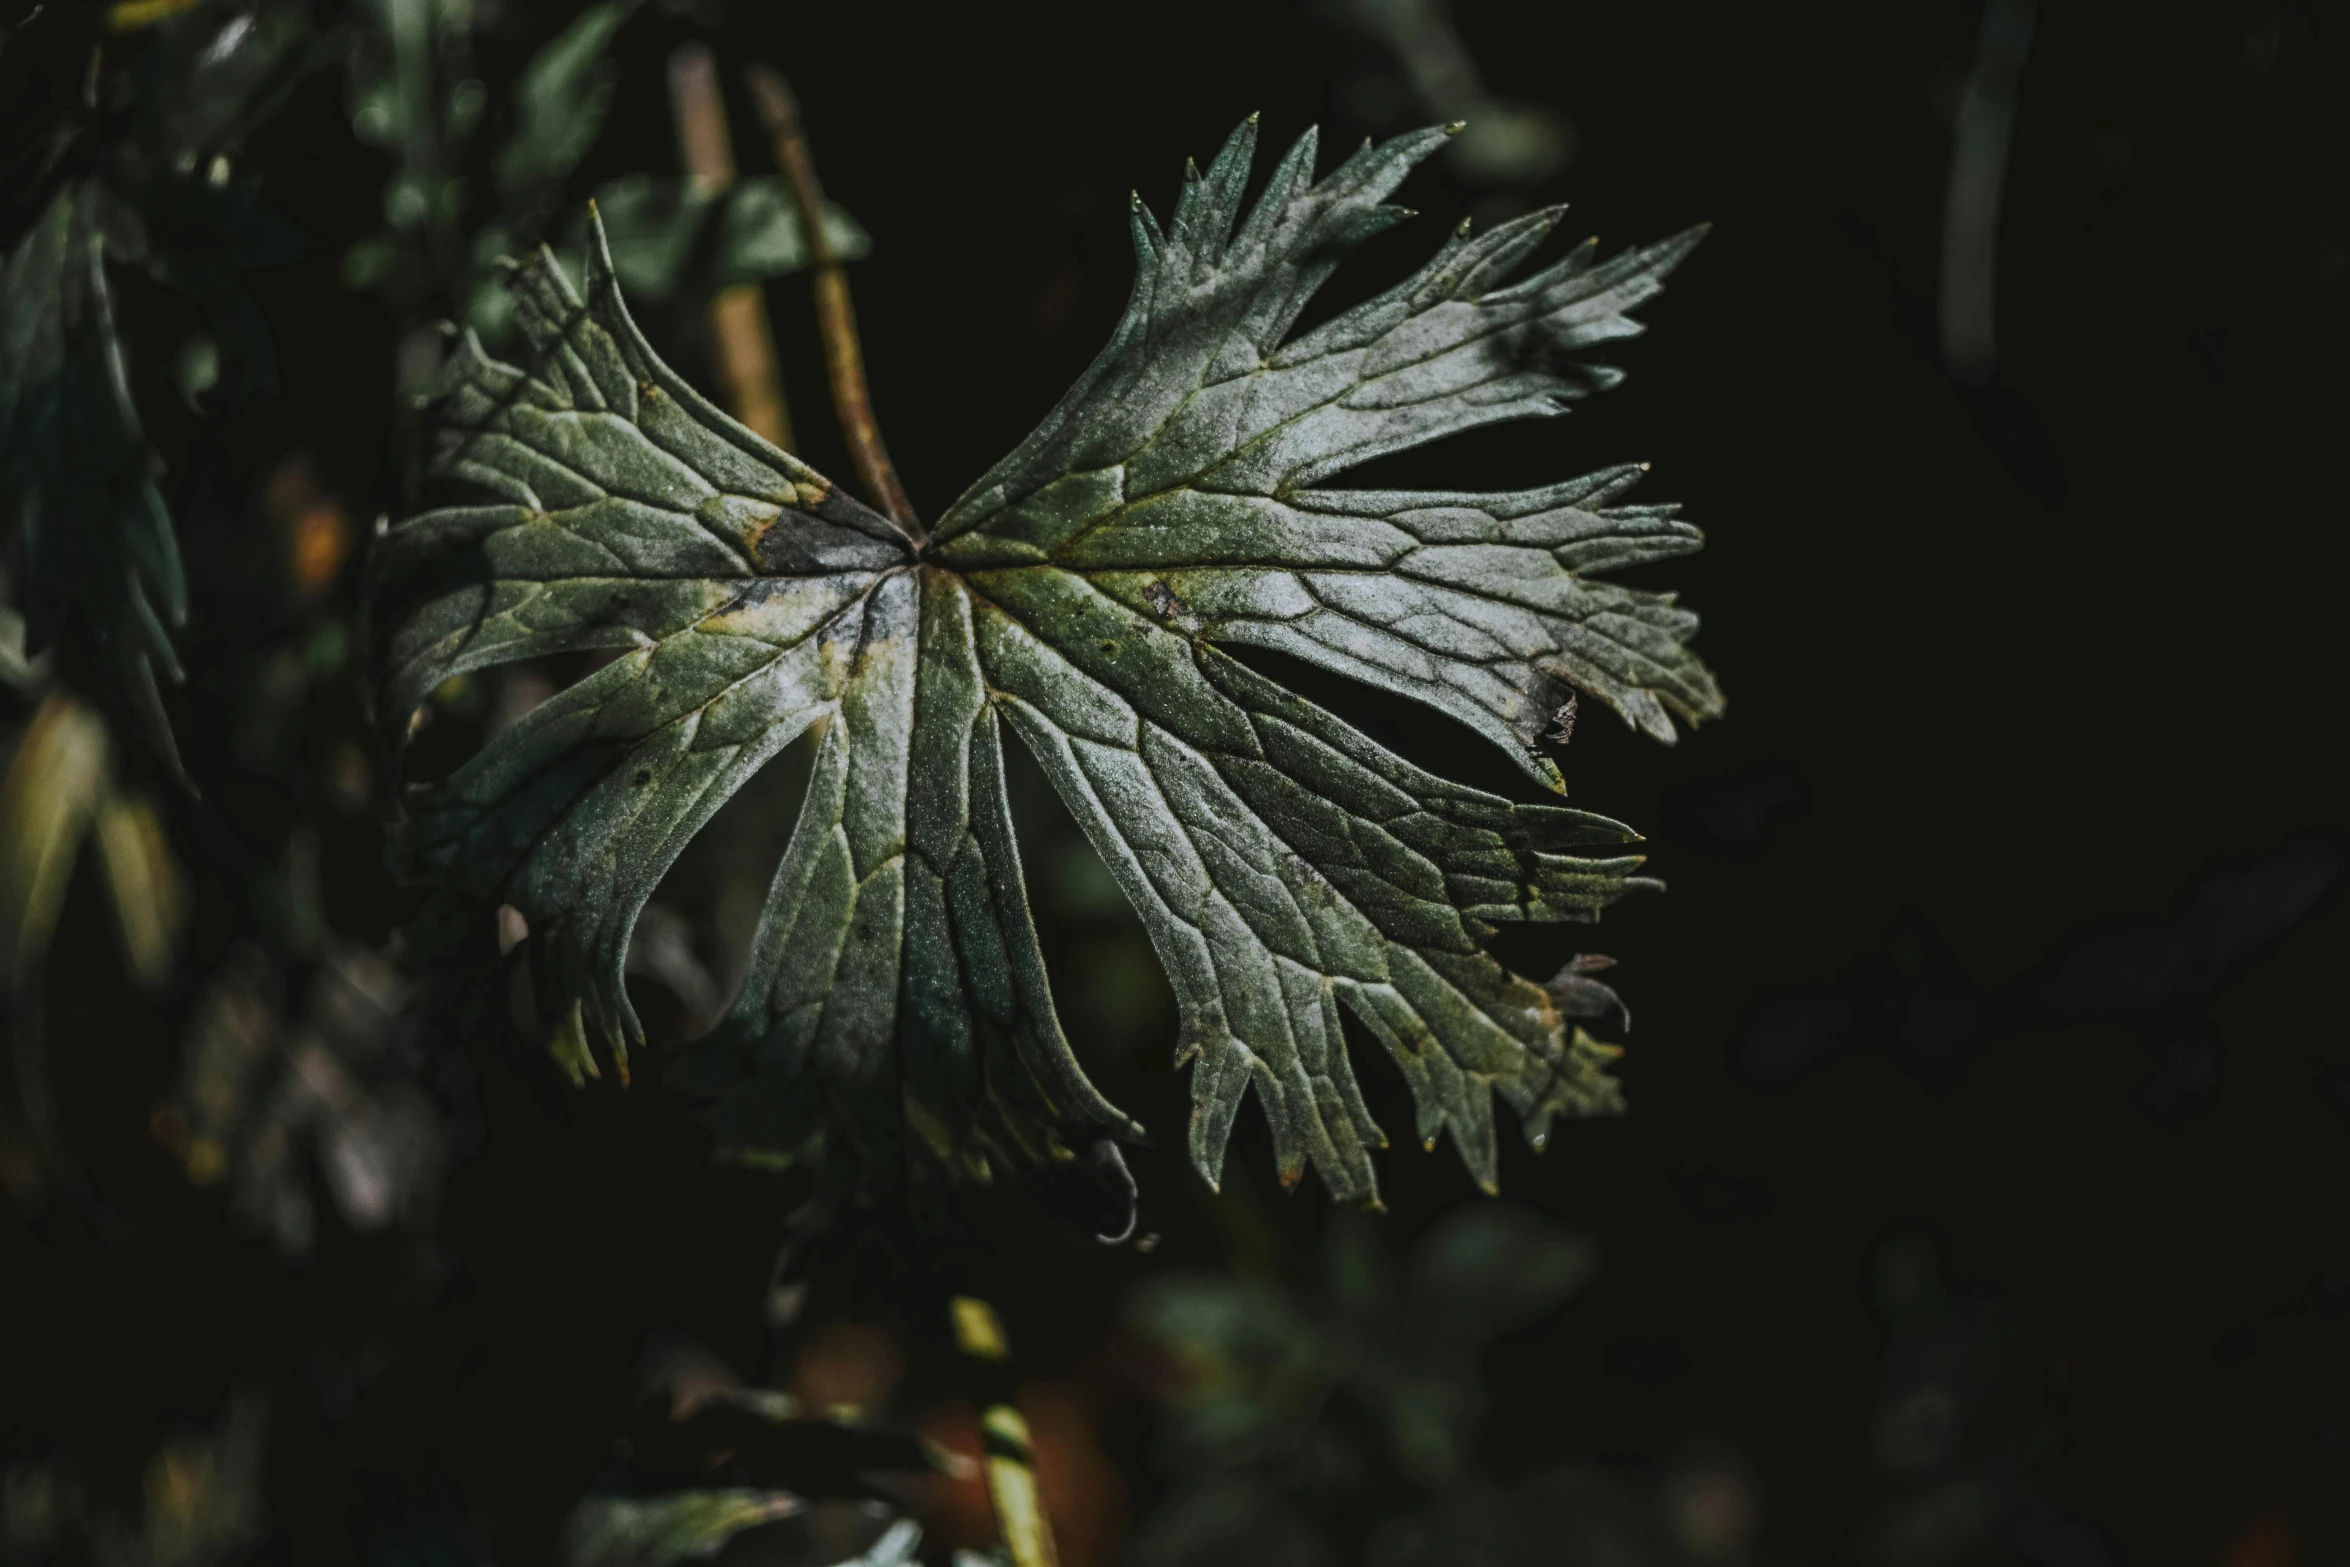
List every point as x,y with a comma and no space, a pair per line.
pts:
175,204
1486,1270
695,1476
203,1503
50,792
654,1531
201,237
212,74
559,103
1260,1370
144,884
670,238
76,474
16,669
275,1107
766,1441
1250,1363
1502,140
414,92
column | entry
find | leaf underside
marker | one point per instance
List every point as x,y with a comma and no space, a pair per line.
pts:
896,1018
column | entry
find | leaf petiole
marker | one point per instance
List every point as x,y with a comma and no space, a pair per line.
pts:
836,320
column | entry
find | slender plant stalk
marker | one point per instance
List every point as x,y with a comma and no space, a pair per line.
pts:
740,332
1978,182
1003,1433
835,319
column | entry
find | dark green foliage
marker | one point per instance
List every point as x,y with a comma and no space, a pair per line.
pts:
819,1490
1402,1342
669,238
1294,1407
414,94
1283,862
75,469
203,1502
138,174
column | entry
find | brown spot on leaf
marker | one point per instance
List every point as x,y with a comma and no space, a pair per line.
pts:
1563,721
1162,600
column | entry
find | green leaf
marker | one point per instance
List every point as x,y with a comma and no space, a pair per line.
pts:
669,237
1178,474
740,1458
209,79
656,1531
1265,1373
404,57
414,93
560,102
1490,1270
1284,864
76,473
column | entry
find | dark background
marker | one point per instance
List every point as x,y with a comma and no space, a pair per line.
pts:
2012,669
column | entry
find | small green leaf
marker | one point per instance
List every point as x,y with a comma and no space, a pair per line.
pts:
1284,864
1489,1270
560,102
658,1531
669,238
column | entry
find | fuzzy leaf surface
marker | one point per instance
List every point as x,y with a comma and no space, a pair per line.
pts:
896,1018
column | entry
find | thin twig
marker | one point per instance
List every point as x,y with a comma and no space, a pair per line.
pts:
834,318
743,340
1003,1435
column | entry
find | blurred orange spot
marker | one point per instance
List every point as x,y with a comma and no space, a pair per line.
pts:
206,1161
318,535
847,1364
2267,1541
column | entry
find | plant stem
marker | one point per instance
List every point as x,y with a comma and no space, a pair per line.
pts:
835,319
742,340
1003,1435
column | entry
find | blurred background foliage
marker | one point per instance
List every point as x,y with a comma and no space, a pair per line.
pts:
1980,1200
